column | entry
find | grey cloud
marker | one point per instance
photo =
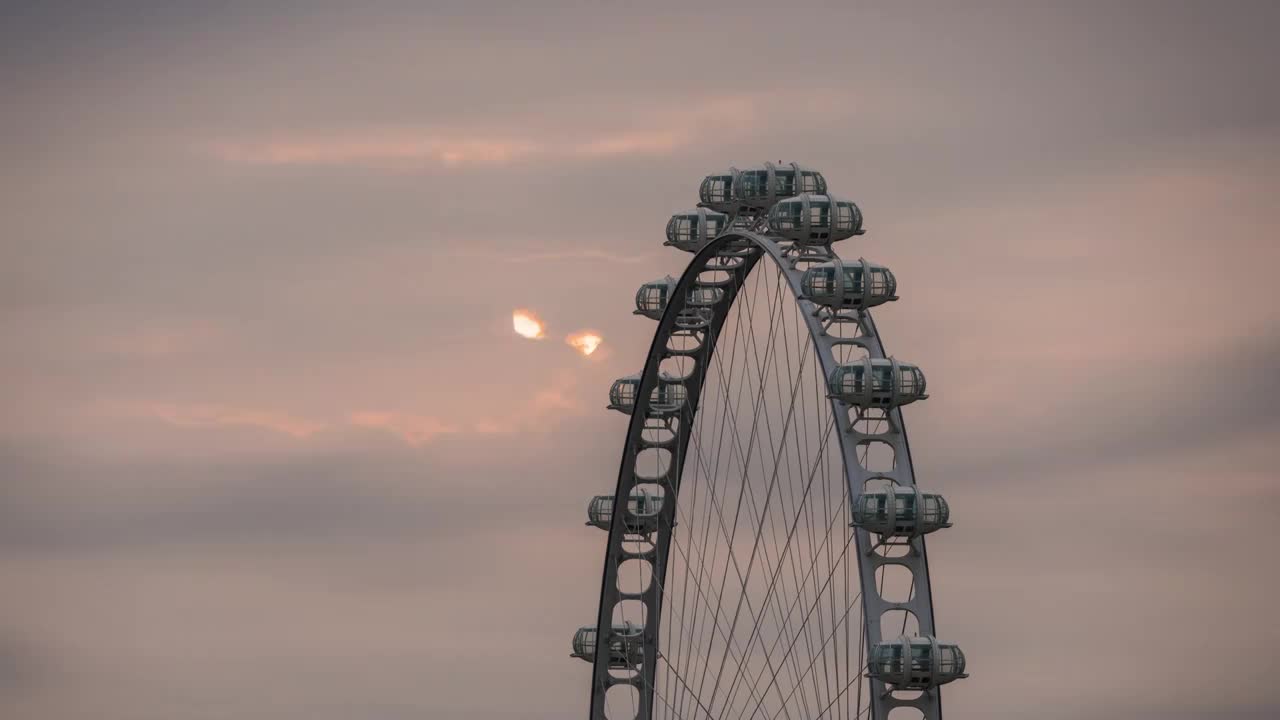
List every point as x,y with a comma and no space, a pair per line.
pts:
1077,199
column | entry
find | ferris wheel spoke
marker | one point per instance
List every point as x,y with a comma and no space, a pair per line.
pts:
785,619
772,602
713,501
793,604
745,485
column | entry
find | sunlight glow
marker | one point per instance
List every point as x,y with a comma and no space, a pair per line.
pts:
585,341
527,324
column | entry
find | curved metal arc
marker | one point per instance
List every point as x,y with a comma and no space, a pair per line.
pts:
658,351
920,603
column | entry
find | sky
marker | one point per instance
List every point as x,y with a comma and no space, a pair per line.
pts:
269,447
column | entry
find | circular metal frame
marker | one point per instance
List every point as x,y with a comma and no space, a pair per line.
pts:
733,255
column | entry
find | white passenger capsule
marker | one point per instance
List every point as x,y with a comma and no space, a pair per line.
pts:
915,663
877,383
901,512
815,219
626,647
716,192
651,298
641,516
667,398
864,285
760,187
692,229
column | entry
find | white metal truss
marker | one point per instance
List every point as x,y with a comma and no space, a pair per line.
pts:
697,306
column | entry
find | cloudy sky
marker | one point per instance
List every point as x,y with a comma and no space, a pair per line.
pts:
269,448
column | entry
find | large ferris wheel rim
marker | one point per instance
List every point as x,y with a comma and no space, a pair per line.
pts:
782,252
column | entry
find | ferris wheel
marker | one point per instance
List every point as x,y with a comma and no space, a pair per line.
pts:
766,554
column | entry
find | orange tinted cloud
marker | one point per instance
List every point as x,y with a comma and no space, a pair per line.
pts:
585,341
527,324
416,430
206,415
375,148
654,128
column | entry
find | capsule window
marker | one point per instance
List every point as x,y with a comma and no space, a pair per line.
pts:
811,182
881,280
652,298
623,392
716,189
704,296
882,379
715,224
844,217
820,215
784,182
753,184
819,282
787,216
683,229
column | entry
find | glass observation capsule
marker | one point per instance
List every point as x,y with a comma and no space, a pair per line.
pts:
877,383
915,663
901,512
864,284
651,298
641,516
716,192
815,219
692,229
760,187
626,648
669,397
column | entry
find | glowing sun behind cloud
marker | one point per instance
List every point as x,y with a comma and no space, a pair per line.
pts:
527,324
585,341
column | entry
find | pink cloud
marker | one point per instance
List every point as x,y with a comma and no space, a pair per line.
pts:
207,415
374,148
416,430
653,128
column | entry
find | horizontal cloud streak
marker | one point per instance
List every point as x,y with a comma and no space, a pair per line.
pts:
207,416
646,132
